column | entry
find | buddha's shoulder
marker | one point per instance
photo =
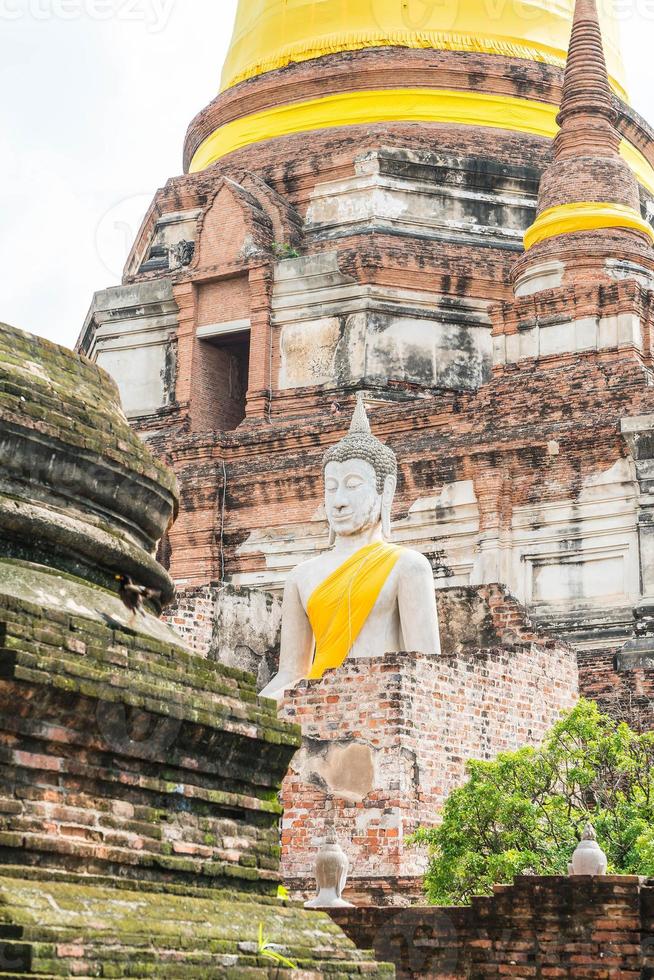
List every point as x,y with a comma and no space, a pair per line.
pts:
413,561
299,573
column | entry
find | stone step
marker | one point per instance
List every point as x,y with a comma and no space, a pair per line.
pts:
74,927
21,976
154,692
170,965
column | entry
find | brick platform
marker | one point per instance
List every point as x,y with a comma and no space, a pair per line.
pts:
622,684
582,929
386,739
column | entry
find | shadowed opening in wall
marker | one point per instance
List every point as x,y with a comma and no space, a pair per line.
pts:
225,364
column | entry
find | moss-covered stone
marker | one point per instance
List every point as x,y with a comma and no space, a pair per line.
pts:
69,926
80,490
139,783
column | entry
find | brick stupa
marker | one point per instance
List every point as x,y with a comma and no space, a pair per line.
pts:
589,209
352,219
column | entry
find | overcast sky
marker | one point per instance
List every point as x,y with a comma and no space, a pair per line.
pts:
95,99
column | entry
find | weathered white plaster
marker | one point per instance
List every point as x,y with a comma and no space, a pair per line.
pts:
424,195
308,351
569,336
334,330
349,771
621,269
537,278
581,553
638,432
223,329
139,371
446,526
130,331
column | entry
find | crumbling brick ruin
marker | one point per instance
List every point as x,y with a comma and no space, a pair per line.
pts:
456,223
332,235
138,782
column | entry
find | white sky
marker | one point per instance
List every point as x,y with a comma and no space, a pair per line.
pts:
95,99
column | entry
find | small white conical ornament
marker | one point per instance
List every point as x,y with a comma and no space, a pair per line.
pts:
360,424
589,858
331,875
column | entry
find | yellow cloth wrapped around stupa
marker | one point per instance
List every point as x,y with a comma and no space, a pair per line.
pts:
339,607
270,34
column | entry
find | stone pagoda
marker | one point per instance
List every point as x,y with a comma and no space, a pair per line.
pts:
138,782
442,212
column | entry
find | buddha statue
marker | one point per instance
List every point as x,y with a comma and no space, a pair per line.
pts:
363,596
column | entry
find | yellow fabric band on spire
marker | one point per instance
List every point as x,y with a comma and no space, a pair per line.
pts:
414,105
340,606
567,219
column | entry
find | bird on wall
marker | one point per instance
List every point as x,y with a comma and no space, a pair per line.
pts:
133,596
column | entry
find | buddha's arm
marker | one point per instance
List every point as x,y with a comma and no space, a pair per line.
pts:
417,603
296,645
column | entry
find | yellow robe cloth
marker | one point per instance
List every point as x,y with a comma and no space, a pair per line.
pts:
339,606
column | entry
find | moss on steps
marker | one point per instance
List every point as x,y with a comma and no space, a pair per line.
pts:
75,927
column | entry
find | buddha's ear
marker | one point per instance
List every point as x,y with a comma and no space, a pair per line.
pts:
388,493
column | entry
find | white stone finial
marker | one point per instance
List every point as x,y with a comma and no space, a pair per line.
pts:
589,858
360,424
331,875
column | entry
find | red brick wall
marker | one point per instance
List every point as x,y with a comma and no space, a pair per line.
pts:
192,617
624,693
222,301
566,928
418,719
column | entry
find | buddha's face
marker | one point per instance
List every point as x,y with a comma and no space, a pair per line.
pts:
352,501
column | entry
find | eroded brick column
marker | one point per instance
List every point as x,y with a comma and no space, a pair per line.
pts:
260,379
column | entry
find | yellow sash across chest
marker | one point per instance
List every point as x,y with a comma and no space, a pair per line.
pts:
339,607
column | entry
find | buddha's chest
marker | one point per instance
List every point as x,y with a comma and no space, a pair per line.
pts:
385,603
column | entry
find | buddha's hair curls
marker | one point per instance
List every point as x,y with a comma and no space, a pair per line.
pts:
360,443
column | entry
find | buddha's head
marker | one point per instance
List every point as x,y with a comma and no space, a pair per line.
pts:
360,480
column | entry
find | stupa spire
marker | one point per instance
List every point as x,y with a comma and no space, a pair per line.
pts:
588,187
587,117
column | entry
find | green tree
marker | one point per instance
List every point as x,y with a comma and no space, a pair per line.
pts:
525,811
